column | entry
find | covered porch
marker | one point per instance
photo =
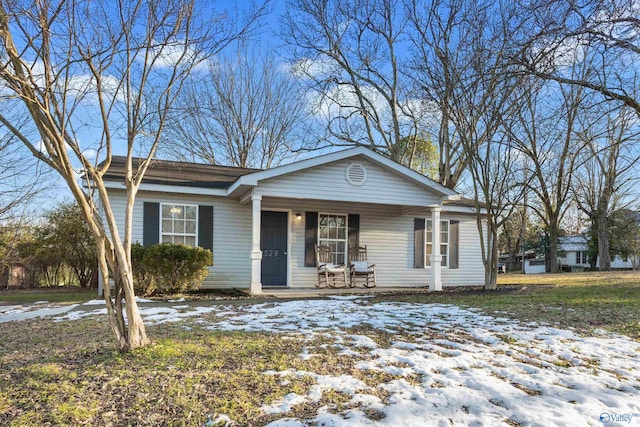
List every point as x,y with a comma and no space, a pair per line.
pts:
285,231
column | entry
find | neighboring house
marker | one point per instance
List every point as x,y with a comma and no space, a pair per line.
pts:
575,250
262,225
576,254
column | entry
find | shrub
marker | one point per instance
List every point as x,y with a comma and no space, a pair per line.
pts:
168,268
143,282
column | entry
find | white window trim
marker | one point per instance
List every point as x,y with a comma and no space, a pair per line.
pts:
580,255
448,244
180,234
346,233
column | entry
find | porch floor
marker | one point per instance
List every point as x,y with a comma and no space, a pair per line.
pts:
324,292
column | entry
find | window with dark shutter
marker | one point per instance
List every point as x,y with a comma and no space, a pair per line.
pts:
150,224
454,243
354,231
205,227
310,238
418,242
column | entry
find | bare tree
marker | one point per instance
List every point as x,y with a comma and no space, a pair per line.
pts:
21,177
544,130
348,51
553,30
607,168
443,64
123,62
248,111
461,66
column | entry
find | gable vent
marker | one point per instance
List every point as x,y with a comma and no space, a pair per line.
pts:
356,174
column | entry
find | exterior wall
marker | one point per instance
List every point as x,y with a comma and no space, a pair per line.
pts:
231,233
537,268
328,183
388,234
387,231
571,258
618,262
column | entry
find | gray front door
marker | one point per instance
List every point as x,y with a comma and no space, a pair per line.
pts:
273,243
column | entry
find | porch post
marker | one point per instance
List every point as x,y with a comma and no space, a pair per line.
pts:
256,253
436,259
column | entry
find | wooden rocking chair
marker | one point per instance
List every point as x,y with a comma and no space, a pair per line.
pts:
360,267
327,270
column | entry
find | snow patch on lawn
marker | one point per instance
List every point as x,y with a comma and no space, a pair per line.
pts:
284,405
18,313
447,363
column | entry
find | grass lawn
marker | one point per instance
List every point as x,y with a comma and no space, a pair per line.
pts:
585,301
68,373
61,295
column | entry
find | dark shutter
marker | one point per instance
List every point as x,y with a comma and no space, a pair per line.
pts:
354,231
205,227
418,243
151,224
454,243
310,238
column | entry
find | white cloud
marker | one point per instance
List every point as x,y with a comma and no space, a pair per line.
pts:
90,154
320,68
176,53
84,88
342,101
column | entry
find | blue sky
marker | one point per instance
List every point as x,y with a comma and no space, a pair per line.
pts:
265,37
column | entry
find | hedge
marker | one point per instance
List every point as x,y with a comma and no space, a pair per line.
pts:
168,268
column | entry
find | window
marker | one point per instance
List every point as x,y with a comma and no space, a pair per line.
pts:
179,224
582,257
444,241
332,231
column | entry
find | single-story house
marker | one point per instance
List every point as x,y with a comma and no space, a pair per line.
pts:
575,249
263,225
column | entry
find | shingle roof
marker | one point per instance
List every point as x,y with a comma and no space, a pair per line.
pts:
179,173
465,202
573,243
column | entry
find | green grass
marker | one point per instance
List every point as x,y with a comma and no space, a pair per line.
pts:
571,279
584,301
68,373
26,296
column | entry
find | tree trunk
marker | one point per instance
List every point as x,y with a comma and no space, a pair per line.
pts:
604,259
491,263
133,327
553,248
130,333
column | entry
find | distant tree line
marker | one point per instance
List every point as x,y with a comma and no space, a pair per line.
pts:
55,251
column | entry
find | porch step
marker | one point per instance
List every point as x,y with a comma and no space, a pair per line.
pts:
325,292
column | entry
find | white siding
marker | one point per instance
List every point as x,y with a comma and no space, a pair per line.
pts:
618,262
386,225
231,233
388,235
328,182
571,259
